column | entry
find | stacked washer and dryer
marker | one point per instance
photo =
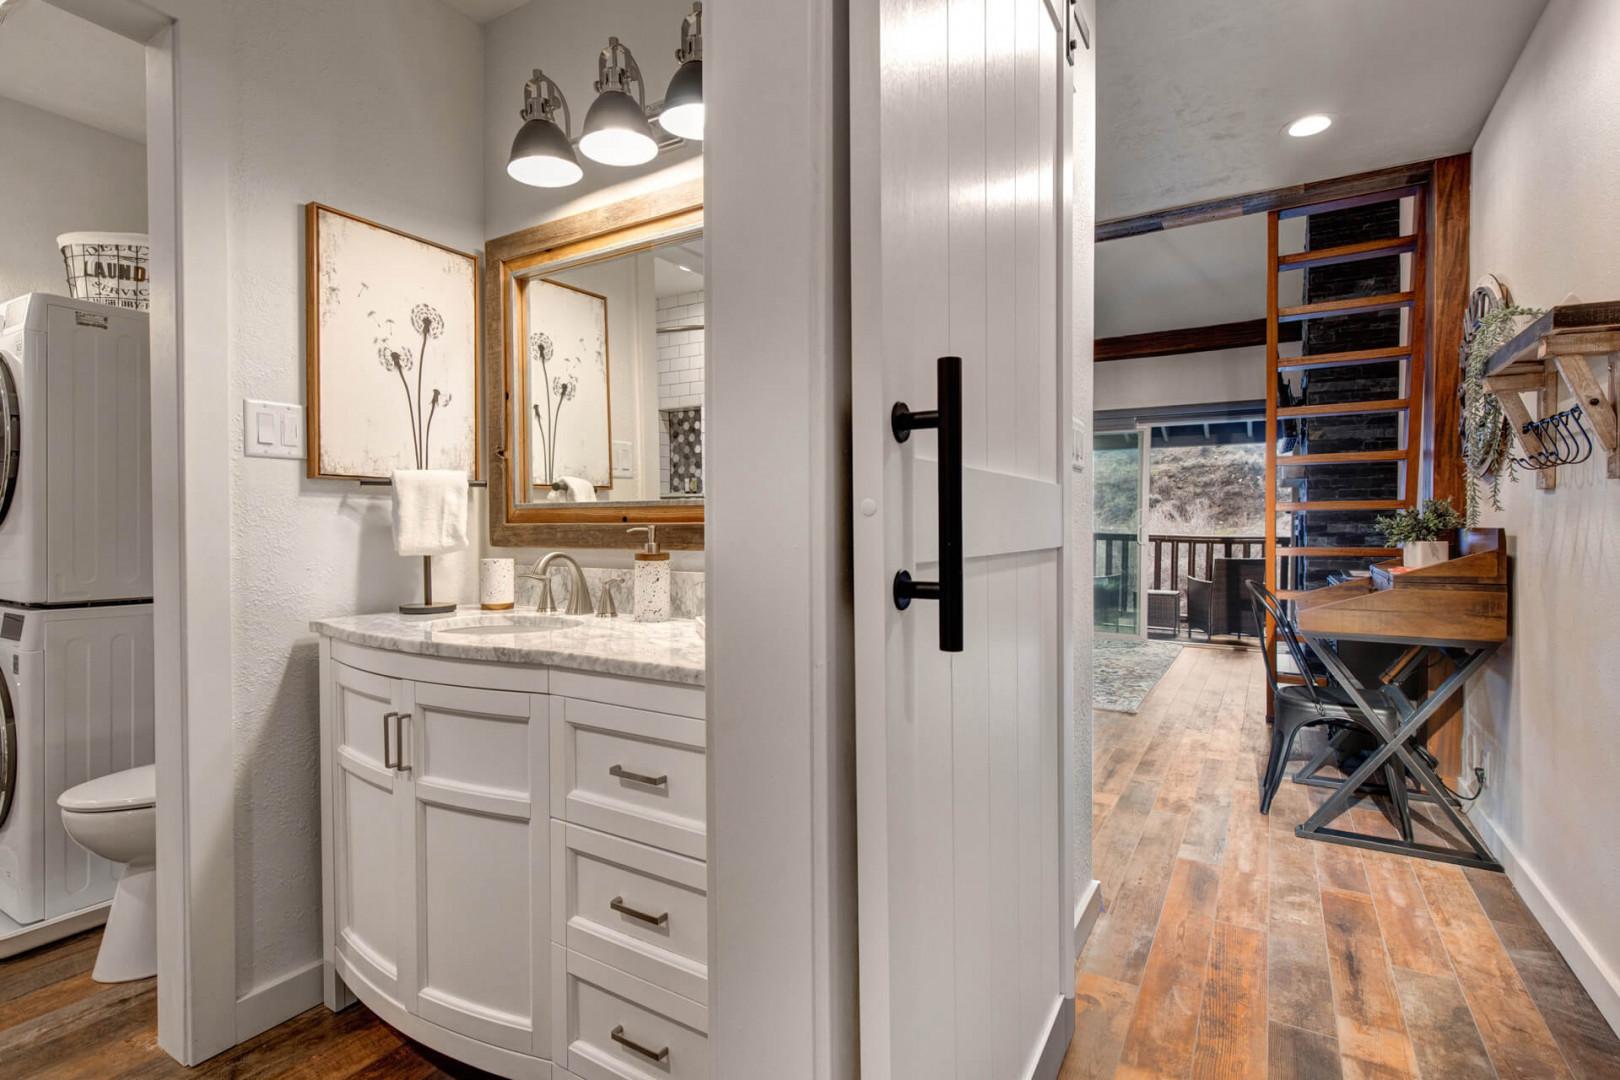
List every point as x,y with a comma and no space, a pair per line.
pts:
75,595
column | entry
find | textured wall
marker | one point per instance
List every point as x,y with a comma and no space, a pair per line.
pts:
371,106
1546,220
59,176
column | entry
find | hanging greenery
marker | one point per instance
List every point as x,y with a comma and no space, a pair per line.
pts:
1487,440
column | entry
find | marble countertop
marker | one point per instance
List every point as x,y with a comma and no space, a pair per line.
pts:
670,651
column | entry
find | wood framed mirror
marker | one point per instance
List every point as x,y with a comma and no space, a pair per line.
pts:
594,362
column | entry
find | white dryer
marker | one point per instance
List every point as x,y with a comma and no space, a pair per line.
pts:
75,453
75,703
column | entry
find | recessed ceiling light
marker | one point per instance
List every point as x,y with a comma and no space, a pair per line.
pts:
1306,126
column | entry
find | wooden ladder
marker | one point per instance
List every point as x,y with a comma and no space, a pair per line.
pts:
1408,405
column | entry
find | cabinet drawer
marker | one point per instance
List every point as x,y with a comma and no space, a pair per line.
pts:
617,1027
643,910
630,772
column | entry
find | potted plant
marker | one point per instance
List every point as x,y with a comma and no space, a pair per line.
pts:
1418,532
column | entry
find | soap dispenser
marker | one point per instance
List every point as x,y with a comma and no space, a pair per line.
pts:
651,584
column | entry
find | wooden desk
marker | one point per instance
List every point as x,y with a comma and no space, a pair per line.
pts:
1456,611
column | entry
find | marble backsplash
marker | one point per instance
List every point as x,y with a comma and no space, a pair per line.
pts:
685,590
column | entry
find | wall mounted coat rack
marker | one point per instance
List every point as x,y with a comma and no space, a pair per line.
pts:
1550,354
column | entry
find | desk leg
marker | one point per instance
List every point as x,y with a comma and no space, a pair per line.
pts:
1394,745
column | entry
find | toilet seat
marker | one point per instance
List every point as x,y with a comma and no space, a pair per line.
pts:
115,816
132,789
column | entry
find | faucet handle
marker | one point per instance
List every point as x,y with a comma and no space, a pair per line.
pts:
605,607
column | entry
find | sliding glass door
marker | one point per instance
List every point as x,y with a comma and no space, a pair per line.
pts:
1119,463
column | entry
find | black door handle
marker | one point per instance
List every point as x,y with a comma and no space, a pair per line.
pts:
947,418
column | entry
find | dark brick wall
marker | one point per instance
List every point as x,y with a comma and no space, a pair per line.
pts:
1362,382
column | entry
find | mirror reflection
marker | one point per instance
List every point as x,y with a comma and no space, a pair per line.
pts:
610,378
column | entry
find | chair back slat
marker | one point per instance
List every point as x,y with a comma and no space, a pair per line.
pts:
1265,603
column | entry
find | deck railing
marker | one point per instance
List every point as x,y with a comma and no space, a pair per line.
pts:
1171,559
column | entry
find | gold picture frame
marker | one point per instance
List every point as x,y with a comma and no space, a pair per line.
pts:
624,227
324,287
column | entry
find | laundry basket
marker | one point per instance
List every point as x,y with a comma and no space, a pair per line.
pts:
109,268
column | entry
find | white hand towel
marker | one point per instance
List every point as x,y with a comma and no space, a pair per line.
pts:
430,511
578,491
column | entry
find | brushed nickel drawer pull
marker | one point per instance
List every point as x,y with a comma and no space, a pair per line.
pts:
399,741
638,778
630,1044
617,904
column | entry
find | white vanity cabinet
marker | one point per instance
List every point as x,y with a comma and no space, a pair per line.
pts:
513,861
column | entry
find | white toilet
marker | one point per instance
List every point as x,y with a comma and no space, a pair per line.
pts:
115,816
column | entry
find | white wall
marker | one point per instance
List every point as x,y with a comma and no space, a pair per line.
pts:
56,176
370,106
1193,379
563,38
1547,221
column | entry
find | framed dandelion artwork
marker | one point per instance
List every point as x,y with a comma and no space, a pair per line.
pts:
391,349
565,346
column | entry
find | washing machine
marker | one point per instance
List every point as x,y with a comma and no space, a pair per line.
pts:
76,702
75,453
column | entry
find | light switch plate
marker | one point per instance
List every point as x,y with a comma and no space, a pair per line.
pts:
1077,452
272,429
624,459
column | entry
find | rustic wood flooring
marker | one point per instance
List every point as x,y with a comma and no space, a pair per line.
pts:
55,1022
1229,947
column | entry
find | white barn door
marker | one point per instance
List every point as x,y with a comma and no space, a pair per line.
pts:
960,114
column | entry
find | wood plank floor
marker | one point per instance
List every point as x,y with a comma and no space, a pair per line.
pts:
1229,947
55,1022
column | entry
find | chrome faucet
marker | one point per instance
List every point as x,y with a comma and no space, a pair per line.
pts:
579,596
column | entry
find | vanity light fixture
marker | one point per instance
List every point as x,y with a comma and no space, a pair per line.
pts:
616,129
1306,126
541,155
682,113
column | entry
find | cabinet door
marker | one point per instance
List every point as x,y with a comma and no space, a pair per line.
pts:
479,772
372,832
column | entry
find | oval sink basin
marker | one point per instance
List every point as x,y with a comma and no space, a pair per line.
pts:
490,625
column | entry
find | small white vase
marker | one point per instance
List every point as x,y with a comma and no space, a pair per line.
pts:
495,584
1416,554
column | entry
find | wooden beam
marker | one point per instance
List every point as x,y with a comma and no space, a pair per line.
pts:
1354,305
1192,339
1345,408
1366,249
1259,202
1357,356
1448,233
1341,457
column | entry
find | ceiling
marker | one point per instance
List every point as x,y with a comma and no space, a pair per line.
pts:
1192,96
678,268
69,66
483,11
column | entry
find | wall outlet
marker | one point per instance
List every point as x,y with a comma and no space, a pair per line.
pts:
272,429
624,459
